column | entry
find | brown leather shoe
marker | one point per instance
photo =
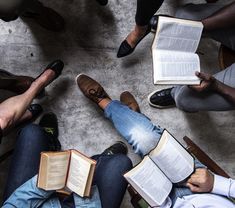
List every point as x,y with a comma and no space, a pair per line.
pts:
128,99
91,89
14,83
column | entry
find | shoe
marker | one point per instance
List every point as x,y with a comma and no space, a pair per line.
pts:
125,49
35,110
128,99
161,99
117,148
102,2
46,18
49,123
91,89
57,66
15,83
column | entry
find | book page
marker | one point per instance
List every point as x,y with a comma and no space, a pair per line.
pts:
175,67
78,173
174,161
149,181
53,170
177,34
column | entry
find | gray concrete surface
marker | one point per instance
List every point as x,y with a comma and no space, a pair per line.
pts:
89,45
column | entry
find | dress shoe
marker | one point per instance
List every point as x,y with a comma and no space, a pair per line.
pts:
46,18
14,83
91,89
102,2
161,98
125,48
128,99
117,148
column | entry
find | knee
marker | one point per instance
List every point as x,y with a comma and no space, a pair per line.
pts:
187,12
123,162
183,102
31,134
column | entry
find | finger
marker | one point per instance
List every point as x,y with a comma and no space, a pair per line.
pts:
203,75
192,187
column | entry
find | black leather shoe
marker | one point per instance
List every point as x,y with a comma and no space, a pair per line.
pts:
57,66
117,148
125,49
161,99
36,110
46,18
102,2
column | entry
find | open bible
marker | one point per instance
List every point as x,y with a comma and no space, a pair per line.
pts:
68,170
173,51
169,162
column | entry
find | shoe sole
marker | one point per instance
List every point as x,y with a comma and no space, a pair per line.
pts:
157,106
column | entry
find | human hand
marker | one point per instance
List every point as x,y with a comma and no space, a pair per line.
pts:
201,181
208,82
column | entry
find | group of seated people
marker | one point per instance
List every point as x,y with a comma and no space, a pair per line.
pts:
215,93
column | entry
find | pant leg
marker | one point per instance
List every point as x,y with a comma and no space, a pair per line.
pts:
201,11
188,100
145,10
136,128
32,140
109,178
11,9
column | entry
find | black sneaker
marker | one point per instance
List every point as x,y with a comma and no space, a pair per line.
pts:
161,99
49,123
117,148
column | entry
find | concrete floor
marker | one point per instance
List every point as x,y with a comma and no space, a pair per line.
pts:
89,45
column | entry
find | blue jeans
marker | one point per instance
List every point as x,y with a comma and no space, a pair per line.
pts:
142,135
108,177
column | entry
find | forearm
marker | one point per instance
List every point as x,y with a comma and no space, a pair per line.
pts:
223,18
225,90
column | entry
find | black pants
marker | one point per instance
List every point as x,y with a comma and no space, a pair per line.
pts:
145,10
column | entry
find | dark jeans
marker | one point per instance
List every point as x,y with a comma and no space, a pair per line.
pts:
145,10
32,140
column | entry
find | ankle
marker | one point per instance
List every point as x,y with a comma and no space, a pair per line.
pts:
139,30
104,103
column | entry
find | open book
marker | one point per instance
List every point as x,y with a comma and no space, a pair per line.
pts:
173,51
169,162
66,170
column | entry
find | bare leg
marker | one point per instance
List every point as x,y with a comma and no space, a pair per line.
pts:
12,109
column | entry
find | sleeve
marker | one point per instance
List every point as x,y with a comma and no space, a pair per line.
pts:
27,195
224,186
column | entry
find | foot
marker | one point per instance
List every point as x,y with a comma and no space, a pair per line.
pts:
102,2
161,99
91,89
49,123
52,72
14,83
117,148
132,40
128,99
46,18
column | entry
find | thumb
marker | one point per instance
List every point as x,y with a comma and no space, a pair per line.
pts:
192,187
203,76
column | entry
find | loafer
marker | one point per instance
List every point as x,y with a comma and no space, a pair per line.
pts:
91,88
128,99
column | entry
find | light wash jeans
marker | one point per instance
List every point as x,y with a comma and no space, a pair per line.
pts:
142,135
